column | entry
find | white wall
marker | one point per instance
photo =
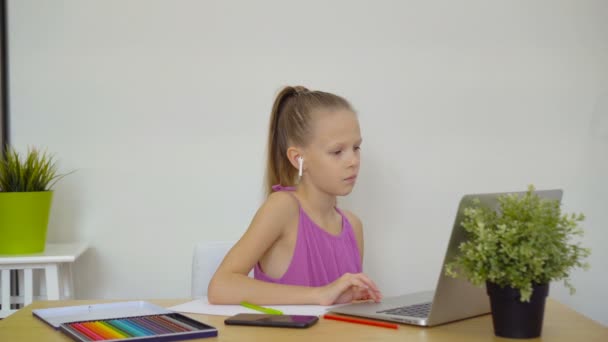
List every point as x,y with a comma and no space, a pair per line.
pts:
162,108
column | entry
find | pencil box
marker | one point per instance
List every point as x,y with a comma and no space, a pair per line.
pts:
124,321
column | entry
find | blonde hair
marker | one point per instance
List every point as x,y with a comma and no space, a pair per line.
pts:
290,124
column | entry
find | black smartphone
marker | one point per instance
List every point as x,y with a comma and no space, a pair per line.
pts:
265,320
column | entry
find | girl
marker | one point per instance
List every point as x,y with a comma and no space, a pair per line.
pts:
303,249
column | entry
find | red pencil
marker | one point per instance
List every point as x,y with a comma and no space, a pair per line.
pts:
361,321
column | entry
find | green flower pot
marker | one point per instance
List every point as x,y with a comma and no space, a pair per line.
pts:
24,217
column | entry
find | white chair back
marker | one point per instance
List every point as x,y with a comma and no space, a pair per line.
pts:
206,259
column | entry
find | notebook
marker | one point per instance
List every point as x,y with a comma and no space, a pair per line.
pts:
453,298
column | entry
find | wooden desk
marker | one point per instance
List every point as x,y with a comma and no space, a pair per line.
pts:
561,324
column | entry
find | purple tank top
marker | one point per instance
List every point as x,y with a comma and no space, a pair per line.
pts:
319,257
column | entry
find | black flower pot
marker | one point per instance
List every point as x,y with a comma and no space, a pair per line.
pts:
513,318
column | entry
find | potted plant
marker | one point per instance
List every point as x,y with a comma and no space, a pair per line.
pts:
516,251
25,200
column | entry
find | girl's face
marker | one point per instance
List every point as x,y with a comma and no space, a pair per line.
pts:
332,158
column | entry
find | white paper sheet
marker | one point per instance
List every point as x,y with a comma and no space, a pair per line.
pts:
202,306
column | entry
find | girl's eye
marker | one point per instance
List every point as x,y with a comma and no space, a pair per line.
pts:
357,148
337,152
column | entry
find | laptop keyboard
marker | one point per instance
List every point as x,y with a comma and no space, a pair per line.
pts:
417,310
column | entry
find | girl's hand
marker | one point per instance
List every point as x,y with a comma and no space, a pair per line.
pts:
347,288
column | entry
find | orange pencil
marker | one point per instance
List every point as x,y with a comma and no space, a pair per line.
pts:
361,321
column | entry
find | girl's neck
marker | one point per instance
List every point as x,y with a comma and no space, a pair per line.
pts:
316,201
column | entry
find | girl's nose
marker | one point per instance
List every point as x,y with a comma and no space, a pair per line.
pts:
355,160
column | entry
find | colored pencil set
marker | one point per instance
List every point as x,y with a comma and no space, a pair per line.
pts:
123,321
141,327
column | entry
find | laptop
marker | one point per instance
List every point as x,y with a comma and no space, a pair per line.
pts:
453,298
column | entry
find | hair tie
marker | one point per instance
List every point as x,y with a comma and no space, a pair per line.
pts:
299,90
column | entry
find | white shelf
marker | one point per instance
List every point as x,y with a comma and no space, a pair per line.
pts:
53,253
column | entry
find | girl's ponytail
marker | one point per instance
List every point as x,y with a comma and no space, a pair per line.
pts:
277,142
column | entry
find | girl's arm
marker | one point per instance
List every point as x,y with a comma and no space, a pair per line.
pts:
231,285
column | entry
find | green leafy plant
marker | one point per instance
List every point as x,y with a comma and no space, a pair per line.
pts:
525,242
36,172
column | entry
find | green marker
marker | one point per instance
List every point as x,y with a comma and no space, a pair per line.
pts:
261,309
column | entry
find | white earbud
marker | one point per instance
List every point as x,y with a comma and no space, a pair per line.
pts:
300,163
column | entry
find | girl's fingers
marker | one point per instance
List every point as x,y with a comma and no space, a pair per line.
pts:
369,284
358,285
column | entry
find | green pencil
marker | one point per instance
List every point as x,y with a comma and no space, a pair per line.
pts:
261,309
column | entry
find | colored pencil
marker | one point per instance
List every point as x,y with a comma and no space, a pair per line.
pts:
101,330
86,331
167,324
113,329
81,335
361,321
269,311
140,327
129,329
149,324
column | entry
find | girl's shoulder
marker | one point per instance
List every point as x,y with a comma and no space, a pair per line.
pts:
282,205
357,228
285,198
274,216
354,220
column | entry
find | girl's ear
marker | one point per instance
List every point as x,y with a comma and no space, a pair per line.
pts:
293,154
